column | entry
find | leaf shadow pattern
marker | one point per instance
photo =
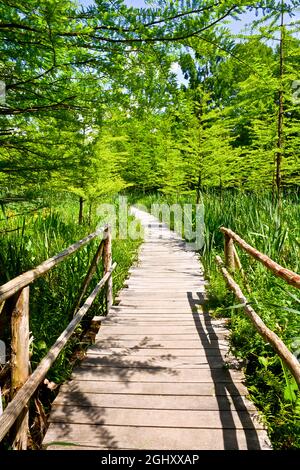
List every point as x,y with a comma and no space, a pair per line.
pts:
116,366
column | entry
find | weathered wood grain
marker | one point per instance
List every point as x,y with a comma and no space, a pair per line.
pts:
20,362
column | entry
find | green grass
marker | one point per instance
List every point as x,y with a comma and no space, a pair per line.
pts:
275,232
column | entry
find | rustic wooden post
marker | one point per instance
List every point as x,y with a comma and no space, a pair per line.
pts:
107,262
20,361
229,252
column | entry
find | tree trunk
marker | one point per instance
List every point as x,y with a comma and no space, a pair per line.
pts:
198,189
280,110
199,182
80,216
90,214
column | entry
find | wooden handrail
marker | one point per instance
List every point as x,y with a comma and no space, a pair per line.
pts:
23,280
271,337
23,386
289,276
107,262
19,402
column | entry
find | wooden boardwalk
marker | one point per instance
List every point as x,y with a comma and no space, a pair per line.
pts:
155,378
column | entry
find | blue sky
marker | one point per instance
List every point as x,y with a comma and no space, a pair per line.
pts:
235,25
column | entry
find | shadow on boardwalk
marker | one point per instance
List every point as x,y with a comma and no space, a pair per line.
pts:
116,367
225,388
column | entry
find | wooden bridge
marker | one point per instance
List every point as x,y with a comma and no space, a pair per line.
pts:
159,375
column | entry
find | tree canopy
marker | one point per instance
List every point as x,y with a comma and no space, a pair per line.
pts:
92,104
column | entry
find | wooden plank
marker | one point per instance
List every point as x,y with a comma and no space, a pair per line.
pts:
158,295
165,321
157,352
174,418
129,437
145,282
122,334
179,283
179,302
180,287
166,307
169,322
155,319
158,313
177,272
164,253
155,402
159,304
159,374
163,300
139,325
157,309
126,329
150,342
185,389
115,360
202,339
148,320
152,252
158,317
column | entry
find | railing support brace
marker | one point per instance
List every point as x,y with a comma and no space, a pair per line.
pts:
107,262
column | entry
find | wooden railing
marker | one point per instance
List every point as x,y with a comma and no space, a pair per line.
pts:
24,384
232,262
